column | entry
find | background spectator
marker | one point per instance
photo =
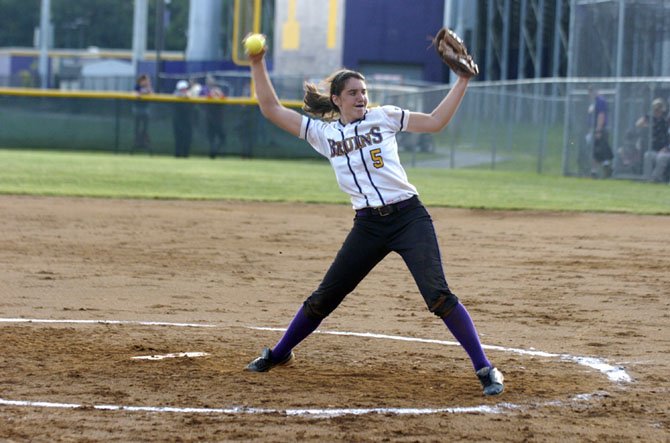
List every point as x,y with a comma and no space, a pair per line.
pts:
629,155
214,116
657,157
182,120
597,138
194,88
141,113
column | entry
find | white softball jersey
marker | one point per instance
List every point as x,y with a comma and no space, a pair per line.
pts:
364,155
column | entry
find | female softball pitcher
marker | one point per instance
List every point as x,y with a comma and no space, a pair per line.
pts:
360,143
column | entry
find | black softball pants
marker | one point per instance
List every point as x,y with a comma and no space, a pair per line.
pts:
410,233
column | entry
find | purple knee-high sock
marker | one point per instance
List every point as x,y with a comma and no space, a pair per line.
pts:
461,326
299,328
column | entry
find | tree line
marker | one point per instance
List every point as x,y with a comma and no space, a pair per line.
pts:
83,23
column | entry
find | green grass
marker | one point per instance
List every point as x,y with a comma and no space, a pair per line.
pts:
518,146
140,176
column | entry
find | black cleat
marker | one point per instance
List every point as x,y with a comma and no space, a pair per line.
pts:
492,380
264,363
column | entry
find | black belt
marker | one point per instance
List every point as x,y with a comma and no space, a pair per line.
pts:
383,211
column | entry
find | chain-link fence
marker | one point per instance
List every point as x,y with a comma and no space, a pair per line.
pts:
538,126
545,126
620,38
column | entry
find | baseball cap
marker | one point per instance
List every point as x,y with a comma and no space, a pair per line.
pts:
182,84
658,103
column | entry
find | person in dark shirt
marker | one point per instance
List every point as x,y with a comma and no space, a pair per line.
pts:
141,112
214,116
598,136
657,157
182,120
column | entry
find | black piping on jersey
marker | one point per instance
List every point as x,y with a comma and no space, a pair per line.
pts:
402,119
367,203
309,120
367,171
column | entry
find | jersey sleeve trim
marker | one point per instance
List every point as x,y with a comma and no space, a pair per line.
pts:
396,117
309,120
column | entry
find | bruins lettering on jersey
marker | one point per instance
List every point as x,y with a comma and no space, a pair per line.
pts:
349,144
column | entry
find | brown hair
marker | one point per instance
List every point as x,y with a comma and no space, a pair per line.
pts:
321,105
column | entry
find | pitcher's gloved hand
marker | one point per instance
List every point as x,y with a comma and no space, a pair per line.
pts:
453,52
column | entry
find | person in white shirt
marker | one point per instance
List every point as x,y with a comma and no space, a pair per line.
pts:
360,143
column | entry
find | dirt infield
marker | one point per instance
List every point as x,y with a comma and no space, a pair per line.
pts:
547,290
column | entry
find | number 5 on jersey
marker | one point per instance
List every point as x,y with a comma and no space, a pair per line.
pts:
377,160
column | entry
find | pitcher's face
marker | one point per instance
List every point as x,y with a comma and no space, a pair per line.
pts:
353,100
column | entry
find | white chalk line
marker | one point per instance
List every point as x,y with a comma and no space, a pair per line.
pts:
615,374
306,412
107,322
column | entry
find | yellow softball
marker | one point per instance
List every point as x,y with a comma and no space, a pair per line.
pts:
254,44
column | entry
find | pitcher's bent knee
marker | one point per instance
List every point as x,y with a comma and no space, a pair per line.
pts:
444,304
315,308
